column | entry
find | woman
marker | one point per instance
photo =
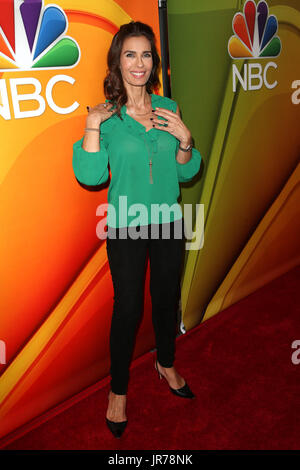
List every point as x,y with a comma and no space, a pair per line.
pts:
148,147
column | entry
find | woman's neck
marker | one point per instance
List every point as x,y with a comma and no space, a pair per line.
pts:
138,102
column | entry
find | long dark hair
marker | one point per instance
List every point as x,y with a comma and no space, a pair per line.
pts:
114,89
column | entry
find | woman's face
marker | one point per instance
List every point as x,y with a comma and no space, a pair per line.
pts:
136,61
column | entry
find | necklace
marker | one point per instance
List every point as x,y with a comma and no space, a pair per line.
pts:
150,151
150,155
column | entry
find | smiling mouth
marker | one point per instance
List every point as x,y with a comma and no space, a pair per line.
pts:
138,74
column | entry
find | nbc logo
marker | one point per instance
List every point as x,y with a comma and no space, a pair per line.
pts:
254,33
254,38
32,36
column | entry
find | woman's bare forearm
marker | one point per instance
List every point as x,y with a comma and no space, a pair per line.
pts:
184,157
91,140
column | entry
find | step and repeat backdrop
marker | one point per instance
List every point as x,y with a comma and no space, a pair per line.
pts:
235,74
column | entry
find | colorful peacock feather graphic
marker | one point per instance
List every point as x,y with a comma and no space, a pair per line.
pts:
254,33
32,36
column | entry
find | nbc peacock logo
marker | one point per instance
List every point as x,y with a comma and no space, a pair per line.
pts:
254,33
33,37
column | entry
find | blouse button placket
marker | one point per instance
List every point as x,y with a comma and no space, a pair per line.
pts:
149,140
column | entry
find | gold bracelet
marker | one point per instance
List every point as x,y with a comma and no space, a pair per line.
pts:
91,129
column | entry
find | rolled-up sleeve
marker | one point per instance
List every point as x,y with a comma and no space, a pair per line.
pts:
90,168
186,171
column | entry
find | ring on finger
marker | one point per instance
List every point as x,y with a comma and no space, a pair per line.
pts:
163,124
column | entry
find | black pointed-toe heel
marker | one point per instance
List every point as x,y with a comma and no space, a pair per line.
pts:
183,392
116,428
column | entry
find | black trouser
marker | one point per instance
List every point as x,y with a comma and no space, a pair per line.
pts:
127,261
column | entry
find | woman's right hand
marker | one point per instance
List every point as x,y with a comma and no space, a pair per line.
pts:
98,114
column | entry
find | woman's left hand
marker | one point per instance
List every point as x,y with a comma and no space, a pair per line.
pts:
175,126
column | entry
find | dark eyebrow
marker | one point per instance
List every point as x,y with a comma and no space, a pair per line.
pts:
134,51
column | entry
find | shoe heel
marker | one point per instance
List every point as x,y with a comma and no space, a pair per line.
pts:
159,374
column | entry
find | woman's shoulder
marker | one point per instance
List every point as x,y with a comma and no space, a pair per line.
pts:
164,102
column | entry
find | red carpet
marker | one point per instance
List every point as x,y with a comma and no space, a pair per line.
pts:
238,364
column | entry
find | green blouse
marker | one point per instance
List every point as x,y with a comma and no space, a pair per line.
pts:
135,197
